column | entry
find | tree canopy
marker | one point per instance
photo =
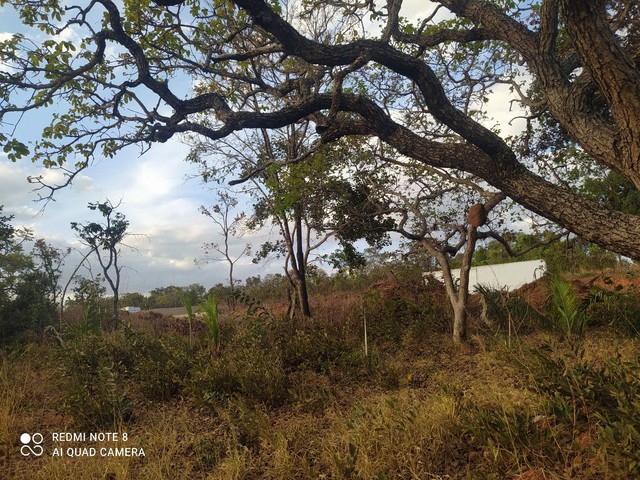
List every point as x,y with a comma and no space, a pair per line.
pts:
144,72
28,280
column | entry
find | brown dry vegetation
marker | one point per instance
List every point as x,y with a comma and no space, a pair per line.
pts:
289,400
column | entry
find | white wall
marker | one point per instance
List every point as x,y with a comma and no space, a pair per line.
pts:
504,275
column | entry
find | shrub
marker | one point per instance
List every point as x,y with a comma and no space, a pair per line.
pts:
585,397
586,426
248,423
97,394
408,309
212,381
618,308
261,375
161,366
253,368
506,312
105,370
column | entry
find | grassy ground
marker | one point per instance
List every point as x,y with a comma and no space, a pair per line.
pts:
288,400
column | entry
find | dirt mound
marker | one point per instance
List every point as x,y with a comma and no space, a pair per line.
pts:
537,293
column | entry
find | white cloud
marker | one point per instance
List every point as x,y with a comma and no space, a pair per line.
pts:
69,34
415,10
504,112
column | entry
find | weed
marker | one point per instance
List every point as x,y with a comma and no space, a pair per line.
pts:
507,313
212,381
161,367
618,308
261,376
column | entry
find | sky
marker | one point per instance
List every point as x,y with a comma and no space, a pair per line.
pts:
159,199
159,196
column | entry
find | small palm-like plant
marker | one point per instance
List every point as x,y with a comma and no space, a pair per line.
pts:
210,309
569,315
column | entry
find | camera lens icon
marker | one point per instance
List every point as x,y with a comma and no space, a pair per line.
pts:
31,444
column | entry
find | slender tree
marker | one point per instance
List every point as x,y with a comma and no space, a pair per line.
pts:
104,240
444,213
309,194
229,224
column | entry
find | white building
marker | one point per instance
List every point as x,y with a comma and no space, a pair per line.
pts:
502,276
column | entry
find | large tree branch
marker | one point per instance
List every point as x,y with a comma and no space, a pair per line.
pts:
573,211
616,75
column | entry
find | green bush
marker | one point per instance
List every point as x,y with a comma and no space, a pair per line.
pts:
317,346
261,375
586,397
409,309
251,366
104,371
618,308
248,423
212,381
97,393
161,367
508,312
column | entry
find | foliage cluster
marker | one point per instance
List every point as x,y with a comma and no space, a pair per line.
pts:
165,297
29,288
100,370
617,306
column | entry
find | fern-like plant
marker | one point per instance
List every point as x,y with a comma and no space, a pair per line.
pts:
210,309
566,309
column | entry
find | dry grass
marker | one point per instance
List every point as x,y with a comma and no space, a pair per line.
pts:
405,415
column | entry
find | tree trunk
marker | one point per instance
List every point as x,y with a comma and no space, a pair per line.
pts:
458,297
291,302
303,296
460,322
300,269
231,286
460,306
116,313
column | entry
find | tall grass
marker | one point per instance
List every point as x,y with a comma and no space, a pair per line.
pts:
12,399
290,400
